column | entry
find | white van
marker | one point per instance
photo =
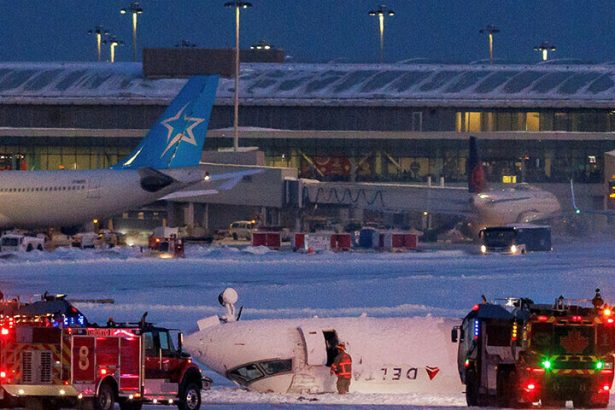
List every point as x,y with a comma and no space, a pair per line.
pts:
242,229
13,242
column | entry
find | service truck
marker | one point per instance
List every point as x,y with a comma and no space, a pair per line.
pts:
94,367
526,353
18,242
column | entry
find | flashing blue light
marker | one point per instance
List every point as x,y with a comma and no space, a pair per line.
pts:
476,328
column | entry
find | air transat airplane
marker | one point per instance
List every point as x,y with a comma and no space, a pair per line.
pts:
390,355
164,162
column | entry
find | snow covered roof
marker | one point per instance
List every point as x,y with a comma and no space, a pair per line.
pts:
420,85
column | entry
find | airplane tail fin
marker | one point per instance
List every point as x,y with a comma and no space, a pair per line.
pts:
476,173
177,137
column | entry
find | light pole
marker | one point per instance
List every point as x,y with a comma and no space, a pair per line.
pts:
113,42
544,49
99,32
134,9
237,5
382,12
490,30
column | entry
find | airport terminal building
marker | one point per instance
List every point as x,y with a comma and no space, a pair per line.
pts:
545,123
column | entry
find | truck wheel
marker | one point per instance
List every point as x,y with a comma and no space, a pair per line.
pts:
30,248
190,397
235,237
105,398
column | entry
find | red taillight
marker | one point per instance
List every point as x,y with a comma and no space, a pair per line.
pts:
2,374
576,318
610,320
475,308
4,331
103,372
606,387
542,318
531,386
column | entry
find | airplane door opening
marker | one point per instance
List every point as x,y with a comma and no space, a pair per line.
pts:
331,341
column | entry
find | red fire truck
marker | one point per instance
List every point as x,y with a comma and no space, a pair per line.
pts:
49,311
94,367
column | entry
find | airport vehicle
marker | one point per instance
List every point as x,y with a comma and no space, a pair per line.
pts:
241,229
164,162
95,367
390,355
86,240
526,353
18,242
50,310
166,243
515,239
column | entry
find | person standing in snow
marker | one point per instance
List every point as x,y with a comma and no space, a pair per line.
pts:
342,368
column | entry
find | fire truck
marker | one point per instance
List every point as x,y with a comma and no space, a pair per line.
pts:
64,361
522,353
50,310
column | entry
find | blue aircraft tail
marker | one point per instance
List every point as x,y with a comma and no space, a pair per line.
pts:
177,137
476,173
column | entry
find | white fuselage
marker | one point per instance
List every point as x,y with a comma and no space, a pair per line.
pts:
30,199
390,355
521,204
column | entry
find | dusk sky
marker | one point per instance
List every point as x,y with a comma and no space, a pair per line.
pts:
317,30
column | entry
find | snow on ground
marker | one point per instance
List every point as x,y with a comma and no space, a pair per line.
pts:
444,281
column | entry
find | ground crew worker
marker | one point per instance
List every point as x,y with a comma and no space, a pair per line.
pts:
342,368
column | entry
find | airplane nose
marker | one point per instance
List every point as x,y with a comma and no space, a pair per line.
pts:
212,347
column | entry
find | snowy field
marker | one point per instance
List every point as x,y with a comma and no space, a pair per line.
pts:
438,282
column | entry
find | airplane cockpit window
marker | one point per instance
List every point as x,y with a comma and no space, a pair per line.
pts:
248,373
272,367
245,374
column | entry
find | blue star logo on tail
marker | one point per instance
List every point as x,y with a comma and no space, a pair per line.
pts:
179,121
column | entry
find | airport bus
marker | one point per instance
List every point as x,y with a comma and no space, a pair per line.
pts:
515,239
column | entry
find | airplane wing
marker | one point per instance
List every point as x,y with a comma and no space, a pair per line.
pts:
214,184
578,210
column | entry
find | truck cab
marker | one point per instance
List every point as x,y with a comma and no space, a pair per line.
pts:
484,350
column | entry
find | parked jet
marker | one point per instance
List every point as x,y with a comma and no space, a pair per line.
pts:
164,162
390,355
521,203
518,203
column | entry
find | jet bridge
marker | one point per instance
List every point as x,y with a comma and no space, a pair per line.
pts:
276,195
386,197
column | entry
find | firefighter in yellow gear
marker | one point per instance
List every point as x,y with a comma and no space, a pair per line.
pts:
342,368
